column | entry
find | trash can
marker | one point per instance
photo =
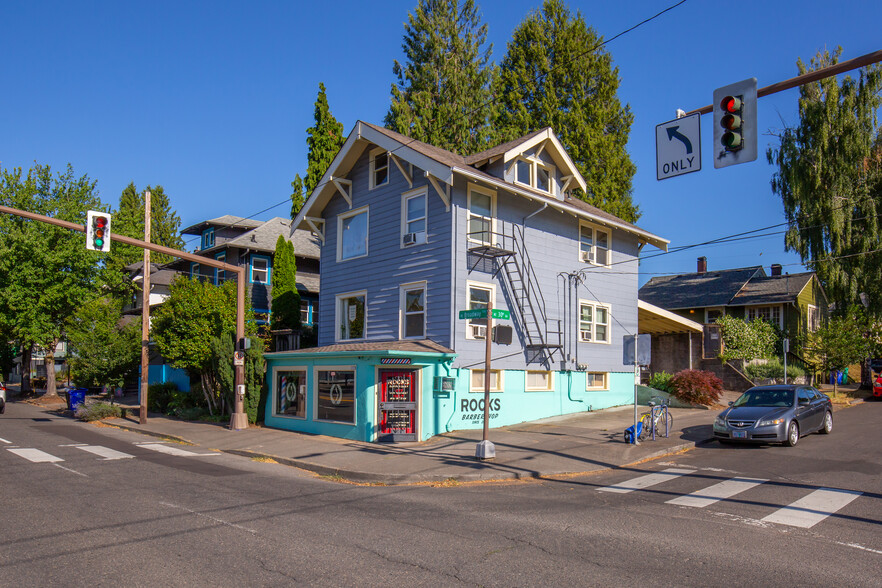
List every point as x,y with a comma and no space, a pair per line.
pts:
75,396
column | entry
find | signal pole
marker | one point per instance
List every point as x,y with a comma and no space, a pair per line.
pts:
145,314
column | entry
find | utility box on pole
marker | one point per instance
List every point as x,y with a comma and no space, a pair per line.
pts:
735,123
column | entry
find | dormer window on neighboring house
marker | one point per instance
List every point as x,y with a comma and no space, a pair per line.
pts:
534,173
593,244
208,238
379,167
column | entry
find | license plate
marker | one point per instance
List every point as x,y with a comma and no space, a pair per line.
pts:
739,434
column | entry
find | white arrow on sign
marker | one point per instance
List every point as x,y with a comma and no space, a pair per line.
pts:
678,147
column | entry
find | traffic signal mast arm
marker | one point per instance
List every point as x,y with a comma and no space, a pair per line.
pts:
808,77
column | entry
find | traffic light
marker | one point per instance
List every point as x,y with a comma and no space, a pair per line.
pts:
735,124
98,231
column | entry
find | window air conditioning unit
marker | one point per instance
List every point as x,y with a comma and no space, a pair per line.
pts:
410,238
585,335
479,331
587,256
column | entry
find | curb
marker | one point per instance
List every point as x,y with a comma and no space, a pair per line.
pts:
174,438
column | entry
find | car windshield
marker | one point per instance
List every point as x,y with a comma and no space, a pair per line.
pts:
765,398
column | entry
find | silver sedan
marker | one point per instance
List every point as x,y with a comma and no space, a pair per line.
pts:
775,414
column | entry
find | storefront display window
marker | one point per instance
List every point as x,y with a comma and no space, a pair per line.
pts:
336,396
291,393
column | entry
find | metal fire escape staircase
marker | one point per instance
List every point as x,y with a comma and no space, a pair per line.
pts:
542,336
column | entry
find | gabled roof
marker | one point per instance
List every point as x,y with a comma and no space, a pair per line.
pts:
442,165
697,290
772,289
263,238
227,220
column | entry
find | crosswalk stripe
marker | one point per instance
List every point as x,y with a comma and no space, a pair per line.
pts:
5,441
35,455
813,508
105,452
646,481
711,494
170,450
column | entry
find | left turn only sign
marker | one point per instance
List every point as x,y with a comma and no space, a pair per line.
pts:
678,147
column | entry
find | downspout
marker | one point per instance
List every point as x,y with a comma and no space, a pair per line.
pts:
532,214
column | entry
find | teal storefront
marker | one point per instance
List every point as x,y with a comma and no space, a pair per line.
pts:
408,391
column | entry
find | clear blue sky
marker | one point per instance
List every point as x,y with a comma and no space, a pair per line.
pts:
212,99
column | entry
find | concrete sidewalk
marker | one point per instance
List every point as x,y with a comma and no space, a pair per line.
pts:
558,446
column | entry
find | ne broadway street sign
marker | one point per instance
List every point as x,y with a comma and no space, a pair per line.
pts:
678,147
480,313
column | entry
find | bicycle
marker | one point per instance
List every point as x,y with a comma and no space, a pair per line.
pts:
658,421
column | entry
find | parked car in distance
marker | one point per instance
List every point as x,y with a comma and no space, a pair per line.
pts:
2,397
775,414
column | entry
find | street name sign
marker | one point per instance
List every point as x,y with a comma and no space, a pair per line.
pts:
477,313
501,314
678,147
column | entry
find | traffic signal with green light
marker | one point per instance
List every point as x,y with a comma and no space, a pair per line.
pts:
735,123
98,231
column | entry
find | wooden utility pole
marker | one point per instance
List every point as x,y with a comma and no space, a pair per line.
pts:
485,449
145,315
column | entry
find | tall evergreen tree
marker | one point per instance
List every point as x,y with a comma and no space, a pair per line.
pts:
442,96
554,74
286,298
829,178
165,225
324,140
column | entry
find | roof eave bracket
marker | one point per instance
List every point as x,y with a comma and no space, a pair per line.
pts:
444,194
317,225
344,187
400,164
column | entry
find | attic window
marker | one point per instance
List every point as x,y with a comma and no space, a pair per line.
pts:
379,167
533,173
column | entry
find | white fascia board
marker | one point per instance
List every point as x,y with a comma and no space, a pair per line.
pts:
668,315
561,154
401,150
654,240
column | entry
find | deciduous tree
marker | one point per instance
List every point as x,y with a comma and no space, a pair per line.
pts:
555,74
102,351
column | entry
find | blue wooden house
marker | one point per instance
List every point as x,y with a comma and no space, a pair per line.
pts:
410,235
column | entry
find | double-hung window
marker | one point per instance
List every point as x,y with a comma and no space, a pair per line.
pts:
379,167
769,314
594,322
260,269
351,315
481,212
220,275
413,217
413,311
352,234
593,244
480,298
814,318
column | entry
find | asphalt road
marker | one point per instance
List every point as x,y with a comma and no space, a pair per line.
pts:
125,510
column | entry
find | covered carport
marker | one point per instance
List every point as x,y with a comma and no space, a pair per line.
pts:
676,341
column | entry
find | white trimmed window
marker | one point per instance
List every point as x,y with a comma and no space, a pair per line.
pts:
594,243
477,381
482,210
352,234
814,318
594,322
770,314
481,296
538,381
413,217
260,269
413,311
596,381
351,316
379,167
534,173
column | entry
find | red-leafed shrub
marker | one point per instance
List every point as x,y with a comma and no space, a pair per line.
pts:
697,387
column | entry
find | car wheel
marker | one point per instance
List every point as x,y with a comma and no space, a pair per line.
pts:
828,424
792,434
2,408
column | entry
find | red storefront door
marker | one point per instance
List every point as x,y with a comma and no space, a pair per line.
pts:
397,406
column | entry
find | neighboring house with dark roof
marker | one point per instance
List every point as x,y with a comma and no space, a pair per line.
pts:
411,235
795,303
251,243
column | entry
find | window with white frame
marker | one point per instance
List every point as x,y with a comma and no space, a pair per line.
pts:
481,211
770,314
477,381
538,380
352,232
260,269
593,244
351,313
814,318
219,274
291,392
712,314
522,172
480,298
379,167
594,322
413,311
596,381
413,217
533,173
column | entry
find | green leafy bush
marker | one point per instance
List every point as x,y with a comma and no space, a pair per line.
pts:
747,340
158,396
697,387
773,369
661,381
97,411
